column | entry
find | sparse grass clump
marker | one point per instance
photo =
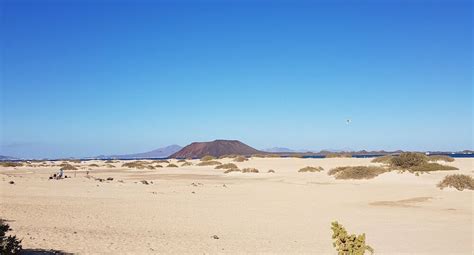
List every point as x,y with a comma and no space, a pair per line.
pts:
249,170
445,158
207,158
160,161
68,167
271,171
428,167
182,161
417,162
93,165
338,155
387,159
240,159
229,156
347,244
357,172
457,181
171,165
226,166
134,164
10,164
109,161
232,170
209,163
187,164
8,244
311,169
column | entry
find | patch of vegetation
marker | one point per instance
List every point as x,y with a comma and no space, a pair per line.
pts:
110,166
357,172
311,169
73,161
445,158
93,165
207,158
240,159
229,156
182,161
8,244
109,161
10,164
209,163
171,165
296,156
457,181
68,167
428,167
347,244
158,166
232,170
160,161
226,166
258,155
387,159
187,164
271,171
150,167
338,155
134,164
249,170
409,159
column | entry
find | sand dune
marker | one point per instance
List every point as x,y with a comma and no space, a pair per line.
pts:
286,212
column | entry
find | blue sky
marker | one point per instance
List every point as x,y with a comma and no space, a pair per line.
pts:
82,78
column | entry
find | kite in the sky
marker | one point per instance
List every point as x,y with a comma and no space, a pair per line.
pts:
348,121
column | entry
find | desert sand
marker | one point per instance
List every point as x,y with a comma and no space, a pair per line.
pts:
285,212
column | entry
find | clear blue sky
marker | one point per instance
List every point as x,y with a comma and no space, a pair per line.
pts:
80,78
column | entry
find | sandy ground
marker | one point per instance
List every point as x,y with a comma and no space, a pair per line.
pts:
274,213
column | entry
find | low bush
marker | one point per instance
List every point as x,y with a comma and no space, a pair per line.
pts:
171,165
347,244
226,166
10,164
445,158
387,159
109,161
271,171
409,159
240,159
357,172
8,244
311,169
68,167
187,164
160,161
209,163
228,156
93,165
428,167
232,170
158,166
134,164
182,161
249,170
207,158
457,181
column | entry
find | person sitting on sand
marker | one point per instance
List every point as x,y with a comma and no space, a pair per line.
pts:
61,173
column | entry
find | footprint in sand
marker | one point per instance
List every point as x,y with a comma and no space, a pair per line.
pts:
411,202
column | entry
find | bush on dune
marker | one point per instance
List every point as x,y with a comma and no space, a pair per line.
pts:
445,158
187,164
249,170
457,181
226,166
240,159
10,164
417,162
68,167
207,158
311,169
209,163
347,244
387,159
160,161
428,167
134,164
93,165
182,161
232,170
171,165
357,172
8,244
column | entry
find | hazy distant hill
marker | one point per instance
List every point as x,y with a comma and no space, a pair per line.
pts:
215,148
2,157
279,149
158,153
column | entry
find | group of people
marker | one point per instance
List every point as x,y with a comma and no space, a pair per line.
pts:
59,175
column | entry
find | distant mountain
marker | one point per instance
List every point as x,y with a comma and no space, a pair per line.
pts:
2,157
279,149
158,153
215,148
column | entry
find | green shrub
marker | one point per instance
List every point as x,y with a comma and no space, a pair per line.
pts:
387,159
8,244
445,158
428,167
409,159
226,166
311,169
339,155
171,165
357,172
347,244
10,164
209,163
457,181
249,170
240,159
207,158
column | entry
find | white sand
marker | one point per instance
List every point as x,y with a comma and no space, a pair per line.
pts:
286,212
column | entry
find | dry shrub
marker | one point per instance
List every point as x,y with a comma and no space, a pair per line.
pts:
296,156
93,165
457,181
150,167
409,159
158,166
134,164
171,165
187,164
387,159
428,167
249,170
10,164
207,158
68,167
110,161
445,158
311,169
347,244
258,155
232,170
271,171
160,161
229,156
339,155
240,159
73,161
110,166
182,161
226,166
209,163
8,244
357,172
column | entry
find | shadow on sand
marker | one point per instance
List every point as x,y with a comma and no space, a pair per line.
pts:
43,252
